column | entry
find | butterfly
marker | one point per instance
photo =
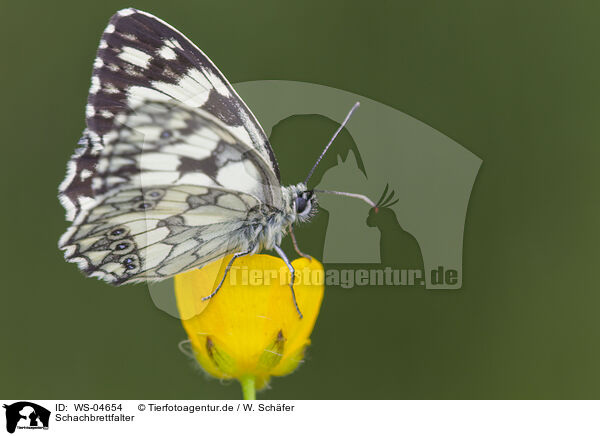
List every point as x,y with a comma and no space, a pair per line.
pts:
173,170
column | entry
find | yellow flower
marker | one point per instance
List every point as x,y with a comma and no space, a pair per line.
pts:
250,330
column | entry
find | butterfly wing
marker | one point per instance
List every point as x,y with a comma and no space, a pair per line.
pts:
167,142
137,234
141,58
171,190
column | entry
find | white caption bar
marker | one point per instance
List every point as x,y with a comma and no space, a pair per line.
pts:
284,418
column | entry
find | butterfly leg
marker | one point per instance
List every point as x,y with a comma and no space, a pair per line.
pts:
234,257
281,254
296,244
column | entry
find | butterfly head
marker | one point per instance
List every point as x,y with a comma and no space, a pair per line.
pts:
304,205
302,202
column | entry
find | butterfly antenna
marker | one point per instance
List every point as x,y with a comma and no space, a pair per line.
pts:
349,194
356,105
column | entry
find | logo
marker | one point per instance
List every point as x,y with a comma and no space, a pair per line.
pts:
26,415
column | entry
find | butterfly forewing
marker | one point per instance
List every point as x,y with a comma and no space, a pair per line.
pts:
164,143
141,58
140,54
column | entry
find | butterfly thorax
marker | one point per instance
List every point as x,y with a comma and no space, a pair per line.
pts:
271,224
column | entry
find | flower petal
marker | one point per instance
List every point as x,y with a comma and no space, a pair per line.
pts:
252,319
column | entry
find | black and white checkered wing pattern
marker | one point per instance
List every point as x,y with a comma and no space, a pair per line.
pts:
173,171
161,143
137,234
170,190
140,54
141,58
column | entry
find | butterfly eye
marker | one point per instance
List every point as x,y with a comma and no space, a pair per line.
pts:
302,205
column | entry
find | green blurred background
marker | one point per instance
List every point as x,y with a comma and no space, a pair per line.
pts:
515,82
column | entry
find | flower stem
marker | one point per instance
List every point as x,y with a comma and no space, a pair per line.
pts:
248,383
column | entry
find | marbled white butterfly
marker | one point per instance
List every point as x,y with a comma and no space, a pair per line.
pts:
173,171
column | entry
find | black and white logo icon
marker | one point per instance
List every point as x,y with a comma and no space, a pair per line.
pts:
26,415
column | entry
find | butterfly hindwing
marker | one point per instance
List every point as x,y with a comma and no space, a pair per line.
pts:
137,234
